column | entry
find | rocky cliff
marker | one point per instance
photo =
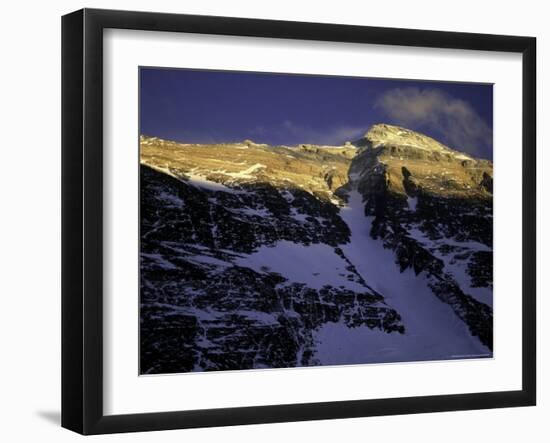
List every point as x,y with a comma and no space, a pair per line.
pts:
257,256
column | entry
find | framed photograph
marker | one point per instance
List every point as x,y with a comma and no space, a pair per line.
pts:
269,221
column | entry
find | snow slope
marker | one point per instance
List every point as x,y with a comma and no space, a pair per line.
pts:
316,265
432,330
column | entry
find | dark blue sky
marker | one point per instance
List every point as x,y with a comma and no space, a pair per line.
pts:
196,106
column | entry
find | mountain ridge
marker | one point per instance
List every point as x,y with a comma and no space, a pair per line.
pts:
387,146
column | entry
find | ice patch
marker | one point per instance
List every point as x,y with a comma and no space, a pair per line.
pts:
259,316
170,200
247,173
160,261
260,212
201,181
298,216
316,265
209,260
424,240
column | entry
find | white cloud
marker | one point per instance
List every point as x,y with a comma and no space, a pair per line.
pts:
452,121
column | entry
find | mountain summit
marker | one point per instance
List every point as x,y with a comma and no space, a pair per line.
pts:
410,162
383,134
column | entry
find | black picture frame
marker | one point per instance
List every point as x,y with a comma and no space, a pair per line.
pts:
82,215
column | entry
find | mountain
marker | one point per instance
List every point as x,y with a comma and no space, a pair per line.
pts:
258,256
433,207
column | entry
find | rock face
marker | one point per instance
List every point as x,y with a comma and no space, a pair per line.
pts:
433,207
318,170
253,255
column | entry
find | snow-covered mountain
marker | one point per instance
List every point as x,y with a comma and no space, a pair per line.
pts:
257,256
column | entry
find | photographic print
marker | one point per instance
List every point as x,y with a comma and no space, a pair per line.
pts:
292,220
